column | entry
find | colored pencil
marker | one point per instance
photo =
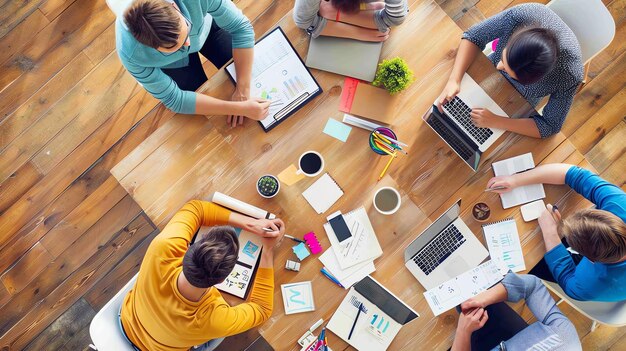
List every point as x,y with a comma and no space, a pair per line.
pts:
331,277
389,144
382,174
392,139
383,148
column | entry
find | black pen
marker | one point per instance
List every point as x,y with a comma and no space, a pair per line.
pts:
286,235
554,208
355,320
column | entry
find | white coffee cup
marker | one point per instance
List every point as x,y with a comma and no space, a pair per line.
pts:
387,200
310,163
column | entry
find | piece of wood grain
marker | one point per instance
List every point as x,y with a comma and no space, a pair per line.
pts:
42,58
19,36
81,280
617,8
53,8
17,184
26,115
602,122
64,328
26,269
62,267
13,12
102,46
609,149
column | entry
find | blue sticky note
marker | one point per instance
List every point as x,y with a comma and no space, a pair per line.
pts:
301,251
337,130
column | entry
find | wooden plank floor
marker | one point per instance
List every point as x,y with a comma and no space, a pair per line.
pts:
70,236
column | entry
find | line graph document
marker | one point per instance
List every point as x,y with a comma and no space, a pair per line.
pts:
278,75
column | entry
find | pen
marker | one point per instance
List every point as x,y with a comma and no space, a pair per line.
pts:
355,320
269,230
391,139
554,208
496,188
389,145
330,276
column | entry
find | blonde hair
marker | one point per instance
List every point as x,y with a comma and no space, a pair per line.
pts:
596,234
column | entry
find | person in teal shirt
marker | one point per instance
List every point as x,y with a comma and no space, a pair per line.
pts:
596,271
158,42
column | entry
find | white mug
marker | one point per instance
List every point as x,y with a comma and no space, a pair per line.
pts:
321,168
398,199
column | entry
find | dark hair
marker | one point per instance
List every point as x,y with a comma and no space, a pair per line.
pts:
347,6
532,53
211,259
154,23
596,234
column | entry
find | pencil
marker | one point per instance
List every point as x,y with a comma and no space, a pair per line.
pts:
392,139
383,148
496,188
390,145
382,174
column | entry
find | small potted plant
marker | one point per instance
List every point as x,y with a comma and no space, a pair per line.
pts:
394,75
268,186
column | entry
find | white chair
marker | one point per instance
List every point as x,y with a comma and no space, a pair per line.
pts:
118,6
609,313
104,328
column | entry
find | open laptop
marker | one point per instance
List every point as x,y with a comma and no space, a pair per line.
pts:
348,57
455,125
444,250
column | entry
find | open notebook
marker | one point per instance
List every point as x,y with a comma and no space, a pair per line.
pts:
323,193
382,316
239,281
504,245
522,194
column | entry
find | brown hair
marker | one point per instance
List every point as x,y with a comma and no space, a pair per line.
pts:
596,234
347,6
211,259
154,23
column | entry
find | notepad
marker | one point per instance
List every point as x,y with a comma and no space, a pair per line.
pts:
298,297
337,130
323,193
522,194
504,245
365,100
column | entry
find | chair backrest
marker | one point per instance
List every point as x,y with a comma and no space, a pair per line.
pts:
609,313
104,328
590,21
118,6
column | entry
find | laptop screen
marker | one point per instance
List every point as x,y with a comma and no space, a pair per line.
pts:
385,300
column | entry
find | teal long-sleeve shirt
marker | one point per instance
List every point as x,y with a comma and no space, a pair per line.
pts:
145,63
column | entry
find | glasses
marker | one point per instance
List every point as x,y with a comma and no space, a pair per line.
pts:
189,26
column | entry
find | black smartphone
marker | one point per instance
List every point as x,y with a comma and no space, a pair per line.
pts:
342,232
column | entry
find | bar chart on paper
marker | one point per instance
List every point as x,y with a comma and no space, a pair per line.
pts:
504,245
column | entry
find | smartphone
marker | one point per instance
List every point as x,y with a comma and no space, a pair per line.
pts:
340,227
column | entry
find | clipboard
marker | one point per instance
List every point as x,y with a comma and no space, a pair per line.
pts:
279,75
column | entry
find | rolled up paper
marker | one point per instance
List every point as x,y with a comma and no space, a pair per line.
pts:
240,206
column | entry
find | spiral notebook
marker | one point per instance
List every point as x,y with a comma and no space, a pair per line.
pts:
322,194
504,245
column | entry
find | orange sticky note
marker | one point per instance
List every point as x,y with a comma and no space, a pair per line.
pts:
290,176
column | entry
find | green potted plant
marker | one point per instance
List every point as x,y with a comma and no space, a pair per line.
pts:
268,186
394,75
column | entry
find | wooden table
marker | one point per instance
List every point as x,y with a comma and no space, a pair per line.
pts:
192,156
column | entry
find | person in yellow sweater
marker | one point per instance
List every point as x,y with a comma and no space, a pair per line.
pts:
174,305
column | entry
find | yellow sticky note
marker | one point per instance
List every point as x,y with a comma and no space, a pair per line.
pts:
289,175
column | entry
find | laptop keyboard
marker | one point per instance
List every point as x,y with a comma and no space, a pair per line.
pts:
458,110
457,145
436,251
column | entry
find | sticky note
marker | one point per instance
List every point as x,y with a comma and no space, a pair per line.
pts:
337,130
289,175
301,251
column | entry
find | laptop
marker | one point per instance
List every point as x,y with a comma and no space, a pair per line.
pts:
444,250
455,125
348,57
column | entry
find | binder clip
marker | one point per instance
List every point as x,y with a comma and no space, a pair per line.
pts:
308,339
313,243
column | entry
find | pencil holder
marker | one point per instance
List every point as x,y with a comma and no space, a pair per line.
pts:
384,131
313,243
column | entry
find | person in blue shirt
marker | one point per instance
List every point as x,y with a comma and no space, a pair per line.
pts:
487,323
598,235
158,42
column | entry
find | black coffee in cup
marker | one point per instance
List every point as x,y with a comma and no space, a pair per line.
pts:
310,163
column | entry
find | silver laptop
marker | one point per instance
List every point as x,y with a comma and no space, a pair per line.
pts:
444,250
455,127
348,57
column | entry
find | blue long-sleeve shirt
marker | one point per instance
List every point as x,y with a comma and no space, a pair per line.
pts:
145,63
591,281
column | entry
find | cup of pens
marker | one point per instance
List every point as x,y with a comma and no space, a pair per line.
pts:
384,142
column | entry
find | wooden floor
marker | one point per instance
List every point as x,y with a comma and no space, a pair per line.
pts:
70,236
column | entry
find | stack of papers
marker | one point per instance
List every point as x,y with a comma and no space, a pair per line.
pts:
349,276
458,289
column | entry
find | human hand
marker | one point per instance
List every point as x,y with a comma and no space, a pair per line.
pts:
267,228
502,184
327,10
373,35
549,220
255,108
451,89
240,94
473,303
270,242
472,320
483,118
